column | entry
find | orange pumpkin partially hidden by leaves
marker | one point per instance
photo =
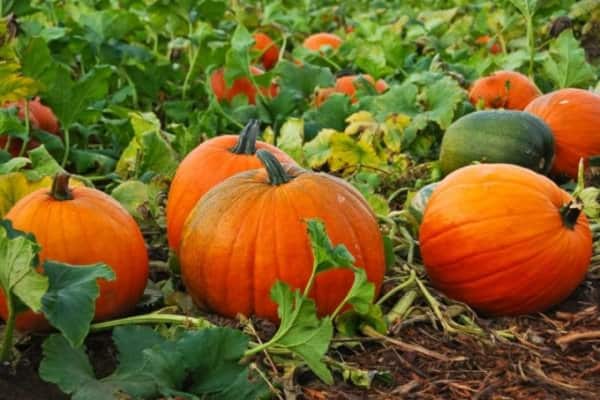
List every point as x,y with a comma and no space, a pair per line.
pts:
40,117
347,85
573,115
250,231
207,165
84,226
504,239
317,41
243,86
504,89
268,49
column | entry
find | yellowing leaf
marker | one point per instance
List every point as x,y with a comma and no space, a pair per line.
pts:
290,138
15,186
318,150
347,152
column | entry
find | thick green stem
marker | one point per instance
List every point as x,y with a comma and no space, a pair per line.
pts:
188,76
27,130
246,143
570,213
60,187
153,318
67,147
277,175
401,307
8,330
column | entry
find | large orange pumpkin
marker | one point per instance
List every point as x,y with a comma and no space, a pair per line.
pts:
347,85
40,117
504,89
573,115
241,85
504,239
84,226
268,49
207,165
317,41
250,231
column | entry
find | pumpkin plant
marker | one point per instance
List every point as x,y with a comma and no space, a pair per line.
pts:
348,85
504,89
504,239
64,221
573,115
248,232
208,165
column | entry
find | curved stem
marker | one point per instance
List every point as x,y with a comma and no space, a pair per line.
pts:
60,187
246,143
570,213
8,330
277,175
152,318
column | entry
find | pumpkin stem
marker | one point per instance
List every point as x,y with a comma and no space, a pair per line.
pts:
246,143
570,213
60,187
277,175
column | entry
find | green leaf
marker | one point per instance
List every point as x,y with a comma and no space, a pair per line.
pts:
69,303
331,115
325,255
42,164
349,152
589,196
238,56
18,258
303,79
12,165
318,150
11,124
398,100
300,330
132,195
443,98
362,292
290,138
202,363
566,65
65,366
351,323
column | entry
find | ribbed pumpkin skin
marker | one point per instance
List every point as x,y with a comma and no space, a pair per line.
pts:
493,237
246,234
207,165
574,118
504,89
90,228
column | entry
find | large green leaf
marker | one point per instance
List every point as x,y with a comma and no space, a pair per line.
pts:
566,65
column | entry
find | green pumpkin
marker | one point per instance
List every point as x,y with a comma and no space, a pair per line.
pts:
498,136
417,204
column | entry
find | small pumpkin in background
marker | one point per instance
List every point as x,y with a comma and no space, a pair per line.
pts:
250,231
498,136
242,85
493,46
504,239
504,89
573,115
207,165
40,117
347,85
268,49
80,226
317,41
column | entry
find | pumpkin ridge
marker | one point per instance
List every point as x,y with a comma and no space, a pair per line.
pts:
494,250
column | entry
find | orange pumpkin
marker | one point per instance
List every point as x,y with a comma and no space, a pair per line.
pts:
573,115
346,85
207,165
504,89
504,239
40,117
317,41
494,47
268,49
81,226
241,85
250,231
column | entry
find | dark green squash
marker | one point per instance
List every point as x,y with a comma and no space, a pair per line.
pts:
417,204
498,136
